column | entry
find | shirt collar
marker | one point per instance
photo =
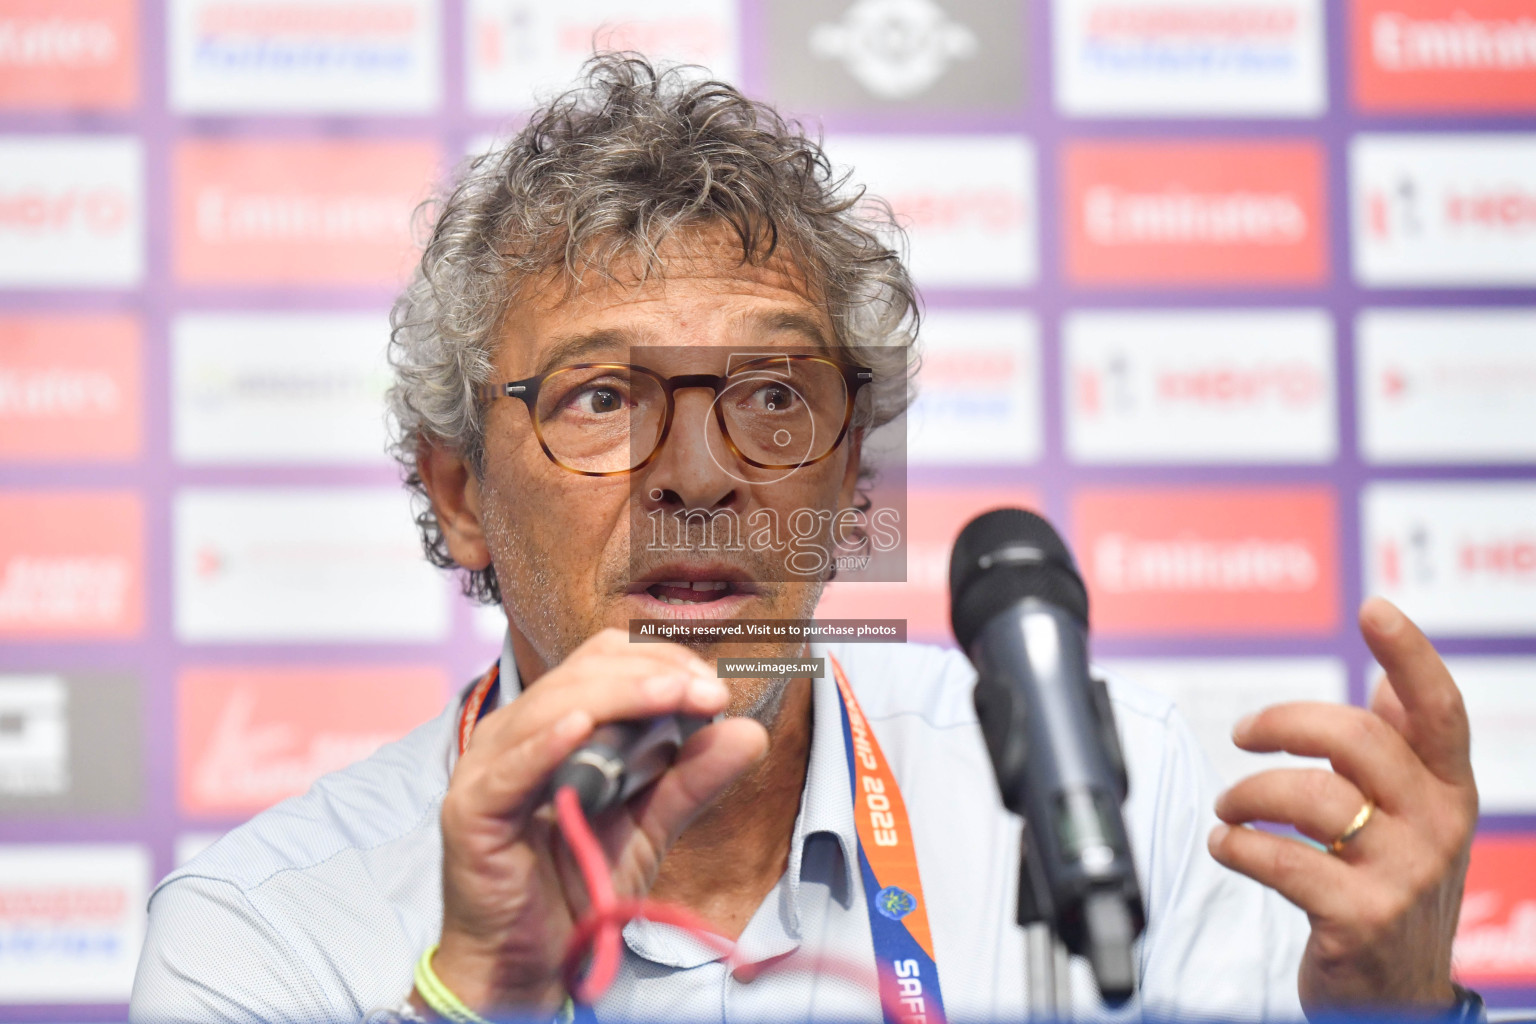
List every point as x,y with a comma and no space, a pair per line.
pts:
826,805
508,683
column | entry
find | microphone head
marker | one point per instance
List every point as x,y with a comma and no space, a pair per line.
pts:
1002,557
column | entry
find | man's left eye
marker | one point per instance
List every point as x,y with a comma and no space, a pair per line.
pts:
773,398
600,400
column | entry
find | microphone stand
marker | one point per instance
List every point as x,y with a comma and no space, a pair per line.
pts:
1047,978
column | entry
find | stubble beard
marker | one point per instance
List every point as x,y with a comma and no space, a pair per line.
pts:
531,599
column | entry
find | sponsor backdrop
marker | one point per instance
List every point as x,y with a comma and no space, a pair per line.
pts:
1242,293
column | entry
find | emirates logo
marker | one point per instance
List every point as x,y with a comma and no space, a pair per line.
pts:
895,48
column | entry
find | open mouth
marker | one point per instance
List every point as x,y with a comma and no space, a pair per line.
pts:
697,592
701,586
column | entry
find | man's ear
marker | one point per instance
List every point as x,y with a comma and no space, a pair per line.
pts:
455,492
849,489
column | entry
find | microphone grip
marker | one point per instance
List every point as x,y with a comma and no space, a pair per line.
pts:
622,758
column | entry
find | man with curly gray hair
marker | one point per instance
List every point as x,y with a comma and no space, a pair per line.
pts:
638,376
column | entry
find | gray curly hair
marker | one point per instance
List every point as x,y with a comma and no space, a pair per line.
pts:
606,172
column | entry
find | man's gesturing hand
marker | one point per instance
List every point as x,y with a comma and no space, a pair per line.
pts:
511,894
1383,909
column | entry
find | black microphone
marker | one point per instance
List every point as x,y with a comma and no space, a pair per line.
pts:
622,758
1020,611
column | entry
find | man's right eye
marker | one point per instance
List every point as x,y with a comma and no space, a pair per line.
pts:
595,401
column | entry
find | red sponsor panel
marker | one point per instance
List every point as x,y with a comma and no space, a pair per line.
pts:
1444,55
1215,561
69,54
70,388
1496,938
71,565
298,213
1195,213
247,738
934,520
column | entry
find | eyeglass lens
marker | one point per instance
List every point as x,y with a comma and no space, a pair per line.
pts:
778,413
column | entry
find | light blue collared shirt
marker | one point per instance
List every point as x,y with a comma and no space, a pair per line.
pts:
317,909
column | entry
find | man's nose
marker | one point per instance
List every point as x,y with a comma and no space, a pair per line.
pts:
691,470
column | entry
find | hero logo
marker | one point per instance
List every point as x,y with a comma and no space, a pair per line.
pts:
70,211
1296,385
522,49
967,202
1208,386
1447,385
895,48
1444,210
1459,557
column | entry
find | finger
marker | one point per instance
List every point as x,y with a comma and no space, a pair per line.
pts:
1320,804
617,641
506,784
609,690
1386,703
712,759
1437,719
1313,880
1363,747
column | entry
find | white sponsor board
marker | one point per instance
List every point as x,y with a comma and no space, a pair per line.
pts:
71,211
34,735
967,203
521,51
304,56
1149,386
1182,58
1445,209
978,392
1458,558
1447,385
303,565
1213,693
280,387
1500,696
71,921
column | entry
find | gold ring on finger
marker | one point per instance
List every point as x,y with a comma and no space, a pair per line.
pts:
1362,819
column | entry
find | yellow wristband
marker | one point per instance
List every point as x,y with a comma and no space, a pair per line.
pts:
439,997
